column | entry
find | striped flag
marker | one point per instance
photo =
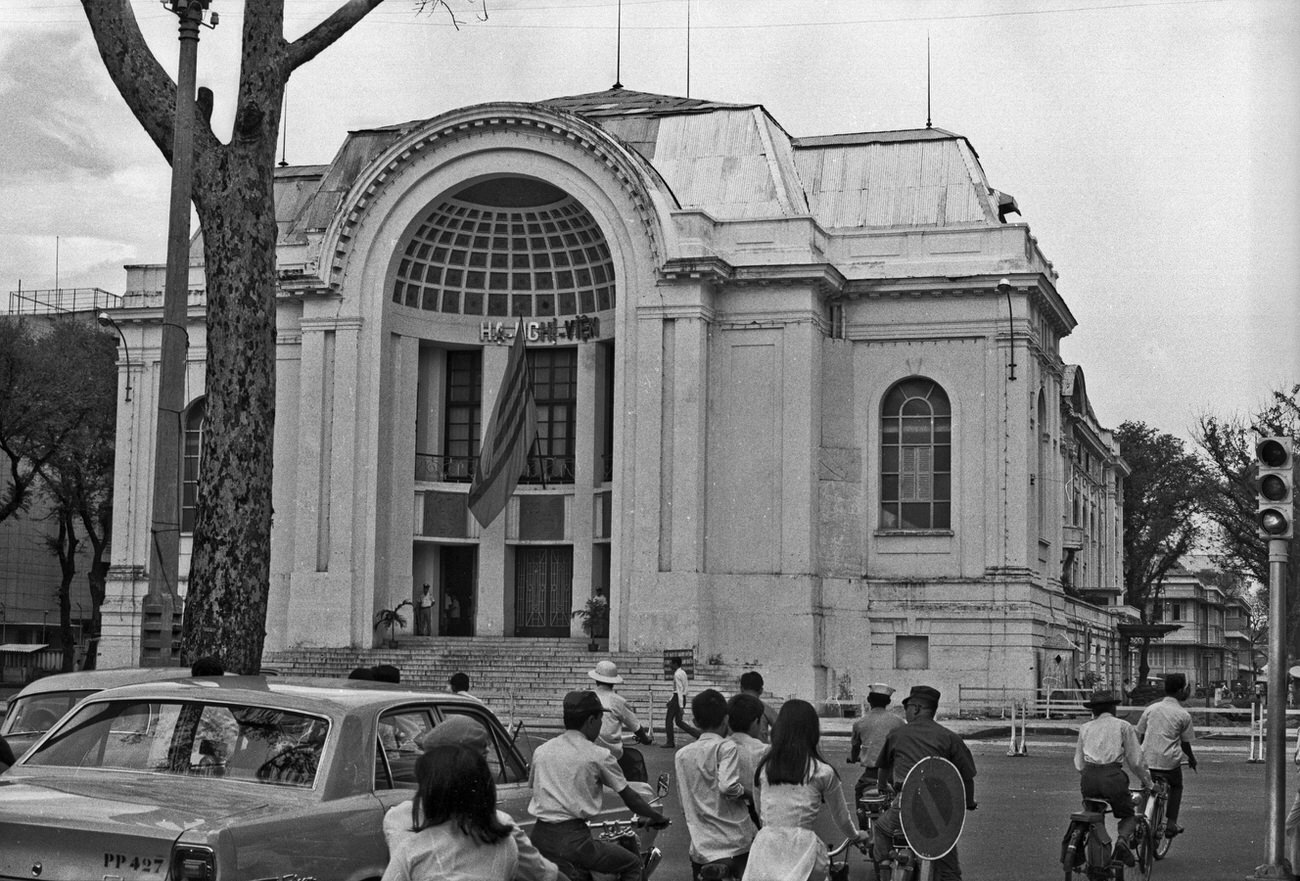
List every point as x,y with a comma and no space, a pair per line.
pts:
507,439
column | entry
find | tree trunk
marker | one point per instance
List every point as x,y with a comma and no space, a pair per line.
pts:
67,553
225,613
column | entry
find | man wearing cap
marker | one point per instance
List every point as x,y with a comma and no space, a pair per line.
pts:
618,714
1107,745
869,734
921,737
567,775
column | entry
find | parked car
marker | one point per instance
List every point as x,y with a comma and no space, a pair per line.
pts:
43,702
229,779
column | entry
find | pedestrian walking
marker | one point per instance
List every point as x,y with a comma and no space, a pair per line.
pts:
674,718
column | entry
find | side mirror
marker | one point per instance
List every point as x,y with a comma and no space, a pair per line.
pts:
661,785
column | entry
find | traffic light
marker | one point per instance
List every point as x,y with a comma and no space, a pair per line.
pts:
1276,502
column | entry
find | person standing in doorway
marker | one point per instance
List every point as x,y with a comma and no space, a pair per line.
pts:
676,704
424,615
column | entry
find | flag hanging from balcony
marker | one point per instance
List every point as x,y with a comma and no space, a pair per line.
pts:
507,440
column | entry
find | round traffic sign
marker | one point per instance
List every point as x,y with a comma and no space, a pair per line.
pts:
932,807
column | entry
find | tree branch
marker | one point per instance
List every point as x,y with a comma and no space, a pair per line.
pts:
147,89
321,37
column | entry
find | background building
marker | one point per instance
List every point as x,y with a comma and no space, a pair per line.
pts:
801,398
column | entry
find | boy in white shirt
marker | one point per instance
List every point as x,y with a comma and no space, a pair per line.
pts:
711,792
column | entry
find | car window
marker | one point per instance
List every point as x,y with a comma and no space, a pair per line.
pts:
502,759
400,734
36,713
257,744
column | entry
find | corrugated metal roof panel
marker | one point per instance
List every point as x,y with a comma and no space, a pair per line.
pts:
924,182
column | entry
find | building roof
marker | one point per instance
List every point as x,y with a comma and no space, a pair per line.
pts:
620,102
732,161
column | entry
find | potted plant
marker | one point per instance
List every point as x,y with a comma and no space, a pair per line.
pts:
595,619
386,618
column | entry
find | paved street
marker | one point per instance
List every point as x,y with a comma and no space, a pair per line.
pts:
1025,803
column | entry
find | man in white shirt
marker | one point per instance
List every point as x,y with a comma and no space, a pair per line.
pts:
567,776
424,615
1107,745
711,791
1167,734
619,717
675,717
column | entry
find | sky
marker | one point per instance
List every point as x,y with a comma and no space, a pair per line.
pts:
1153,146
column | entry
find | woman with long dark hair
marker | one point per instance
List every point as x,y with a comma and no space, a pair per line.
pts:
460,834
791,784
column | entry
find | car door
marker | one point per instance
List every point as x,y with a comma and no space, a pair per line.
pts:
509,770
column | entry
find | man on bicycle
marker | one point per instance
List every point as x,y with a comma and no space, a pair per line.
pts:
921,738
1106,746
1167,734
869,734
567,776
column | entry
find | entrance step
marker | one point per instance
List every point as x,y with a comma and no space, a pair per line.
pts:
520,678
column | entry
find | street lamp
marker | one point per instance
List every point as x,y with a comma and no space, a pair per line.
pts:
106,320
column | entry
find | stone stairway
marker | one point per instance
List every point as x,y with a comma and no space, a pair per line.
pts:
520,678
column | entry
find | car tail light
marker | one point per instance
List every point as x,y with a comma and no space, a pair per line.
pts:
191,863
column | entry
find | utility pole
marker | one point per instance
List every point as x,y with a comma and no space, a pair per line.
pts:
160,624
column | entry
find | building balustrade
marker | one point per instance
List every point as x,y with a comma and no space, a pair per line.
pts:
460,469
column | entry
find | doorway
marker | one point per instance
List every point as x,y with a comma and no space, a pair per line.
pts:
543,590
456,597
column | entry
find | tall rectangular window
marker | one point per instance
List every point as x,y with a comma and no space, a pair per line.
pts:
195,420
462,412
555,391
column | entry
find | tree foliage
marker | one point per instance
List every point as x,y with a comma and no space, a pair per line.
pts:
1164,497
1228,443
77,481
41,405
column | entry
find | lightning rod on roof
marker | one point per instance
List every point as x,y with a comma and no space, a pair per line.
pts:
618,49
688,48
284,126
927,79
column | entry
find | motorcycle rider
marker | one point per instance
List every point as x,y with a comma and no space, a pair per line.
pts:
906,745
619,717
567,776
869,735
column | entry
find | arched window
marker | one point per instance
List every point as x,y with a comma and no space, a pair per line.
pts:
195,419
916,457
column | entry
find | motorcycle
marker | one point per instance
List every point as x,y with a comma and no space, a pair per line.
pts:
633,832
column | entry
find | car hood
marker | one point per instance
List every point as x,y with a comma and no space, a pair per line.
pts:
70,821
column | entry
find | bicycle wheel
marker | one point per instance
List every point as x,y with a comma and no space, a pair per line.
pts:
1158,832
1144,853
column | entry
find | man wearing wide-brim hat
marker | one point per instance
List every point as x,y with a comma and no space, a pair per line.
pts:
869,735
619,715
1107,745
921,738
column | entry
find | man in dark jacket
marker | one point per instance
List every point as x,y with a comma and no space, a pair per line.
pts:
921,738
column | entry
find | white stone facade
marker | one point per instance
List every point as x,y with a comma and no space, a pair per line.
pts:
722,474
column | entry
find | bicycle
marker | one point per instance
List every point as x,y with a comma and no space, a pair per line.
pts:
838,869
1153,809
1087,850
871,806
